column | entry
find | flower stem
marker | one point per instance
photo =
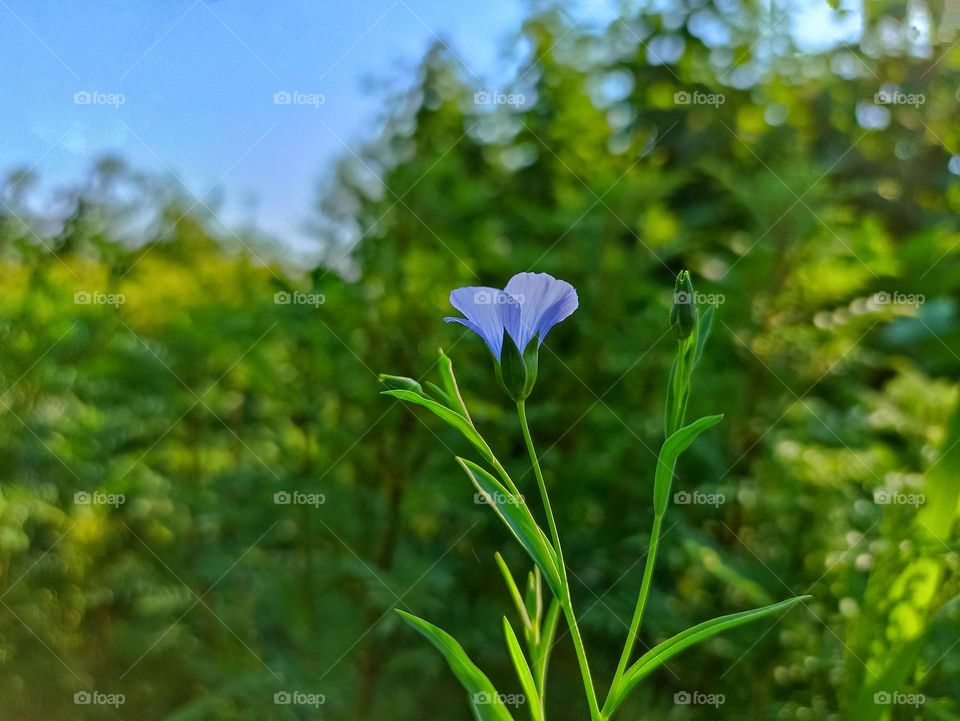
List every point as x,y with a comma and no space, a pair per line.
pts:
566,602
641,601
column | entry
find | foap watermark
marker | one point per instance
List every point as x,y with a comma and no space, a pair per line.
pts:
883,497
297,97
895,96
485,296
697,298
96,698
885,297
483,698
684,97
497,498
886,698
98,97
486,97
95,297
698,698
282,297
697,498
298,498
299,698
98,498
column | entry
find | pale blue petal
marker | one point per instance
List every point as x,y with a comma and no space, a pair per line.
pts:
485,310
543,300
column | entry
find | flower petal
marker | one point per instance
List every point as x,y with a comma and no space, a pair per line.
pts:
544,301
488,311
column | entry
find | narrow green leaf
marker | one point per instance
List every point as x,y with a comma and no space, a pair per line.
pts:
523,671
450,416
668,412
514,591
667,460
482,696
441,395
451,387
533,598
541,657
400,383
515,514
672,646
703,331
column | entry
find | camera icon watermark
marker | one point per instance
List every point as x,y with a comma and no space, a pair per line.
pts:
896,298
95,297
883,497
497,498
298,498
486,296
697,498
482,698
98,498
895,698
282,297
487,97
96,698
98,97
298,698
696,298
698,698
296,97
894,96
684,97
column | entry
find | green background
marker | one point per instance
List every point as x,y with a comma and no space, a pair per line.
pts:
795,202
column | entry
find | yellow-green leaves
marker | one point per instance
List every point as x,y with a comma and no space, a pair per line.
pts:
539,625
523,672
662,652
667,460
517,517
482,696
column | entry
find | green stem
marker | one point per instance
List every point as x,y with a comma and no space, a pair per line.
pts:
498,467
641,601
566,602
522,410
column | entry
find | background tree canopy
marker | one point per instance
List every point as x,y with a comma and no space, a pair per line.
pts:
198,374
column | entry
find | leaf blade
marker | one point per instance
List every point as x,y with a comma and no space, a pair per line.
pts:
703,332
671,449
453,418
450,384
662,652
517,517
482,694
513,591
523,671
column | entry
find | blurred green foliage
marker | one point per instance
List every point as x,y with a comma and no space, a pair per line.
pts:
795,201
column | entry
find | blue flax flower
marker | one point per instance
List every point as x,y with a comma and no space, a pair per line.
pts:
510,320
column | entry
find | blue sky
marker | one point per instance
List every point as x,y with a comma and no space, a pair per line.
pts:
187,86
